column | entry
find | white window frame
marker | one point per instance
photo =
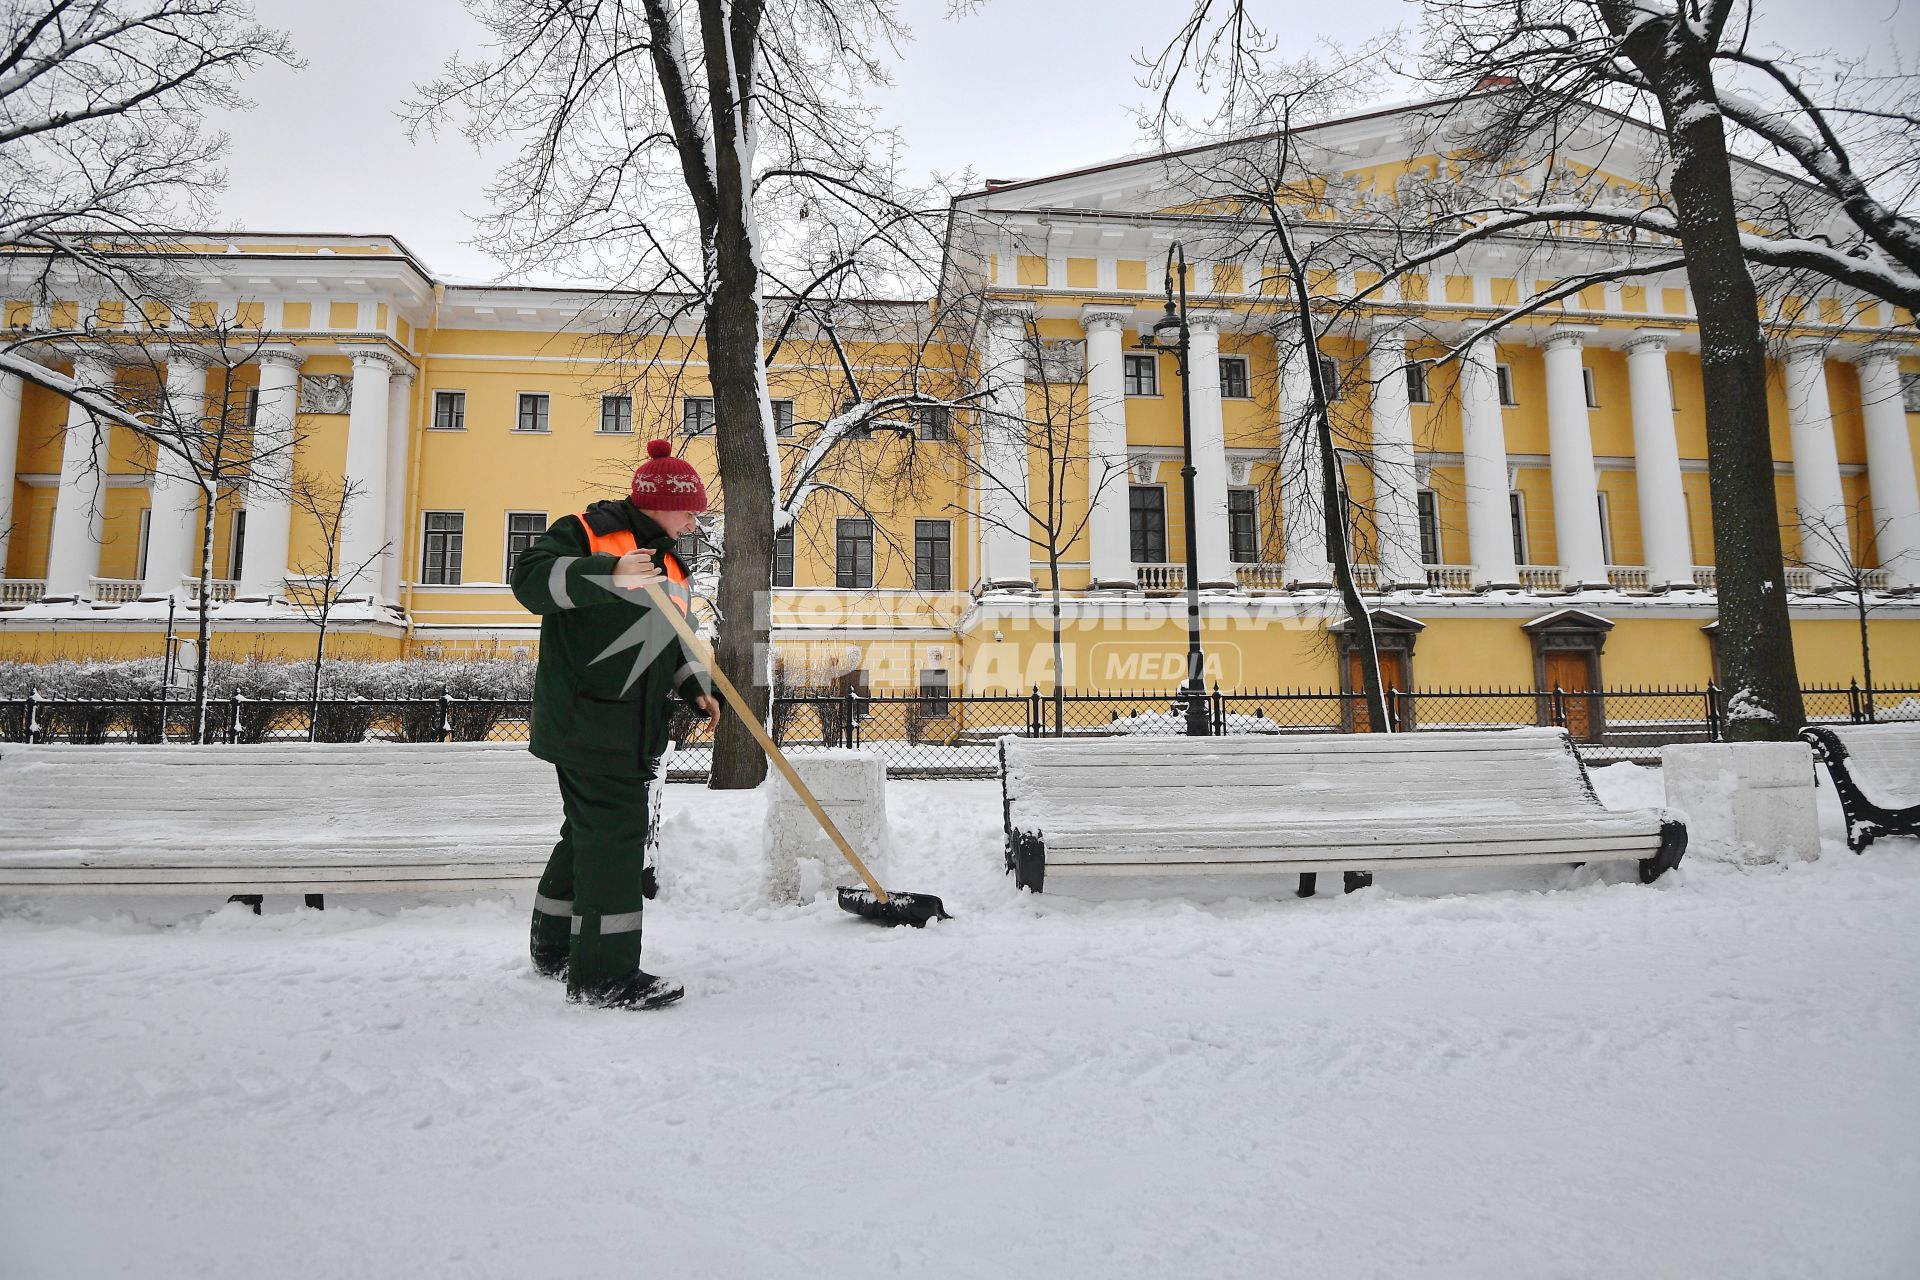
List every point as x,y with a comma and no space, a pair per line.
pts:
1587,384
786,535
616,431
1246,377
544,415
507,535
1910,392
918,521
236,544
710,416
1417,381
456,398
782,425
1254,496
1503,382
1606,526
1166,525
1330,377
1126,375
1425,500
1517,519
140,555
426,532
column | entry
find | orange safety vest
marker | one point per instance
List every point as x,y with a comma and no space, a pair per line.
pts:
621,541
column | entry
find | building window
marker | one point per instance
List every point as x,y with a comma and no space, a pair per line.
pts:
782,417
1428,503
440,564
783,557
853,552
1417,385
449,411
1142,375
1517,511
698,549
533,411
933,555
1606,530
253,407
1147,523
236,545
140,558
1910,391
936,689
932,422
1586,381
1330,378
1235,382
522,528
1503,375
616,415
1243,526
696,415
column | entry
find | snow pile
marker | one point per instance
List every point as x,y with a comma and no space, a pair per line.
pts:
1481,1074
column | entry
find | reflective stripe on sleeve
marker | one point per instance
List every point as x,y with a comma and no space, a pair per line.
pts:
552,906
691,669
557,581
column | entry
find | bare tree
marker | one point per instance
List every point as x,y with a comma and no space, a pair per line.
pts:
101,148
1048,512
1841,569
321,586
1533,79
668,146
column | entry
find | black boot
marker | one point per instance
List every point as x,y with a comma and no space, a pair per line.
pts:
641,991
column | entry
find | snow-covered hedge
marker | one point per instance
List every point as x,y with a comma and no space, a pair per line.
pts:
484,678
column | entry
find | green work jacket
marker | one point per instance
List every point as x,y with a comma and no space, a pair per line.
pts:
609,671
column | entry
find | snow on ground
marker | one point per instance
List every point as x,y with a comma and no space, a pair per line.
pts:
1527,1074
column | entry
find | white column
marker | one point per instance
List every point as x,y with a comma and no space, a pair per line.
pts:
173,525
1666,543
79,507
1395,476
365,474
263,563
10,389
1108,537
1890,475
399,438
1212,546
1817,495
1484,442
1576,493
1303,522
1007,558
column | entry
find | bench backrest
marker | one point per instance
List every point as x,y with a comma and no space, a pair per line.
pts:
1165,781
1883,760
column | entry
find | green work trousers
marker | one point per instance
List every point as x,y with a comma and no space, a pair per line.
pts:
588,906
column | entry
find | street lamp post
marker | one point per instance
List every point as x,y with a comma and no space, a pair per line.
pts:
1170,334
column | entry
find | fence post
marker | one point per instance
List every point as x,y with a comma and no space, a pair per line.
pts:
1853,701
846,717
33,715
1393,709
1219,707
233,719
1559,707
446,716
1036,714
1713,712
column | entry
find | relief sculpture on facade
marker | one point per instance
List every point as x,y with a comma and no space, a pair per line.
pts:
325,393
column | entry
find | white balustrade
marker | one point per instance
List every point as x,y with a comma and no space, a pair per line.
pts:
1704,577
1160,578
113,590
1263,576
1628,577
1540,577
1450,577
19,591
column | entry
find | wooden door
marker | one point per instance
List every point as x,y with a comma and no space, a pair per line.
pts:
1393,675
1571,672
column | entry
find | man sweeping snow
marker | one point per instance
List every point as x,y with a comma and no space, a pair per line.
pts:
602,697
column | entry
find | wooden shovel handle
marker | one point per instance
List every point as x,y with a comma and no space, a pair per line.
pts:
698,648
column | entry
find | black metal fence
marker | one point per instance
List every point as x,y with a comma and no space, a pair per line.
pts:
928,735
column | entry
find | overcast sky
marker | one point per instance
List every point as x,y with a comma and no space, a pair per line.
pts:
1018,88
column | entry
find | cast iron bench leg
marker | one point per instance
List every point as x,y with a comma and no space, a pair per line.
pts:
318,901
1358,880
250,899
1309,883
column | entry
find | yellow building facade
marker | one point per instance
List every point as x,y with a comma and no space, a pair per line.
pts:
1535,512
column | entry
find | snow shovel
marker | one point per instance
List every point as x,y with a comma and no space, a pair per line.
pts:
870,903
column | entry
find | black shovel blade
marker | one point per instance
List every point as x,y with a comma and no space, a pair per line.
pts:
899,908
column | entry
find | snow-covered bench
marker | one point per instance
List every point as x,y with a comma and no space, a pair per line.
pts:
1876,773
280,819
1084,811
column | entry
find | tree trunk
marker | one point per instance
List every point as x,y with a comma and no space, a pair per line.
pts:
1866,650
1756,639
204,630
742,413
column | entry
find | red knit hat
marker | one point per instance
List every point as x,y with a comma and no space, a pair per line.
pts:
666,483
